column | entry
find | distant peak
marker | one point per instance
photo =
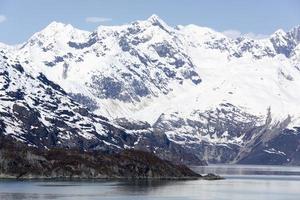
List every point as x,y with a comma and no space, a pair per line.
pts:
279,32
58,25
154,18
296,27
157,21
295,33
59,30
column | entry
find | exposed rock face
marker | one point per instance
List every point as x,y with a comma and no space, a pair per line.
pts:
20,161
229,135
281,150
40,113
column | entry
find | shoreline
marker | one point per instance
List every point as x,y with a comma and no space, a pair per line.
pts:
76,178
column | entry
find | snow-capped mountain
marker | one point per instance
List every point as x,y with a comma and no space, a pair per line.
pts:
215,96
118,67
38,112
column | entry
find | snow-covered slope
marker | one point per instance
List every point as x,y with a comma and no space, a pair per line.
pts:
38,112
150,67
149,71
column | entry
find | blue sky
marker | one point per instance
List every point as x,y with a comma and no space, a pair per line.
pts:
19,19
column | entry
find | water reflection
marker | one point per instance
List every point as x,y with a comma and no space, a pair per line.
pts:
76,190
25,196
248,170
143,186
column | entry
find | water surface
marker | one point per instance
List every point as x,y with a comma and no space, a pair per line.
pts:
242,182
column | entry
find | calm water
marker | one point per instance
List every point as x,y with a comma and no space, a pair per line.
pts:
241,183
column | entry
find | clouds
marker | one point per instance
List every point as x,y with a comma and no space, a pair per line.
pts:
2,18
235,34
97,19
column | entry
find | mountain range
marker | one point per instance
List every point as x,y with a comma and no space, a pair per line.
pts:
188,94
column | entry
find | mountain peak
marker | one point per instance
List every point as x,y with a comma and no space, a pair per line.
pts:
58,26
56,23
154,19
57,30
54,28
295,33
157,21
279,32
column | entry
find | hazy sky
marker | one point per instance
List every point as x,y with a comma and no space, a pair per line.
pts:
19,19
